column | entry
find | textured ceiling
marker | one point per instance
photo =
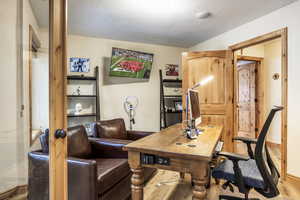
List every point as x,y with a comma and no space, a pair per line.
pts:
166,22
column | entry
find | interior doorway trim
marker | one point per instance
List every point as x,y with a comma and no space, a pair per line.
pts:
34,45
259,92
58,168
283,35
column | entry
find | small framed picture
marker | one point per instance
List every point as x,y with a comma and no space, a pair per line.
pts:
79,65
178,105
172,70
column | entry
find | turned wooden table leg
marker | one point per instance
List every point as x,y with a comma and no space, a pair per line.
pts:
199,190
199,178
208,177
137,184
137,179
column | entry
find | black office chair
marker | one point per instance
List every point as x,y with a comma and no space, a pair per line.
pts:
256,171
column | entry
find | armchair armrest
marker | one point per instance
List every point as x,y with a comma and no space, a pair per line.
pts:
82,173
108,148
38,175
136,135
233,156
246,140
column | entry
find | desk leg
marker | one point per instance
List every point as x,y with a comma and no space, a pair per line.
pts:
199,178
137,184
137,179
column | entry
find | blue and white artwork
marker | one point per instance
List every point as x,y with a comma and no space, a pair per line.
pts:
79,64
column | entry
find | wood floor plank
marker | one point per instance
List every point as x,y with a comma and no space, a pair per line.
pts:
166,185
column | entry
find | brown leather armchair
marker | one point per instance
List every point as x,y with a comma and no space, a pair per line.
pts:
114,131
97,169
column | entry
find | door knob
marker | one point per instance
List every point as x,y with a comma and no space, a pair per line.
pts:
60,133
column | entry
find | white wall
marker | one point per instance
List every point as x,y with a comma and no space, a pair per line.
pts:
8,91
23,146
285,17
14,134
272,63
28,19
112,96
255,51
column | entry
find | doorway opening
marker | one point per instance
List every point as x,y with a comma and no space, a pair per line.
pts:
260,81
249,98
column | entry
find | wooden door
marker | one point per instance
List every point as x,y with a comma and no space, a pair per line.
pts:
57,67
216,97
246,108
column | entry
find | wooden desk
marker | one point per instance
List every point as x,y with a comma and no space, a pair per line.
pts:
185,156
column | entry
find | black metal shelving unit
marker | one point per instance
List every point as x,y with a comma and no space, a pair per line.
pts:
95,116
168,118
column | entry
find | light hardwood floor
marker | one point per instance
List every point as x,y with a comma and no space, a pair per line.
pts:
165,185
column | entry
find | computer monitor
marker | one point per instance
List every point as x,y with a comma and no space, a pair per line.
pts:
194,103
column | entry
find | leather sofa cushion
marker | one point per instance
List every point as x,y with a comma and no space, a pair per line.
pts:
108,147
112,129
110,172
78,143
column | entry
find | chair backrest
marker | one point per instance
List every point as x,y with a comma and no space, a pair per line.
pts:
78,142
264,162
114,128
44,140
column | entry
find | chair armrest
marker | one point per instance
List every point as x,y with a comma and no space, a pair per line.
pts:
233,156
82,173
136,135
246,140
38,175
108,148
